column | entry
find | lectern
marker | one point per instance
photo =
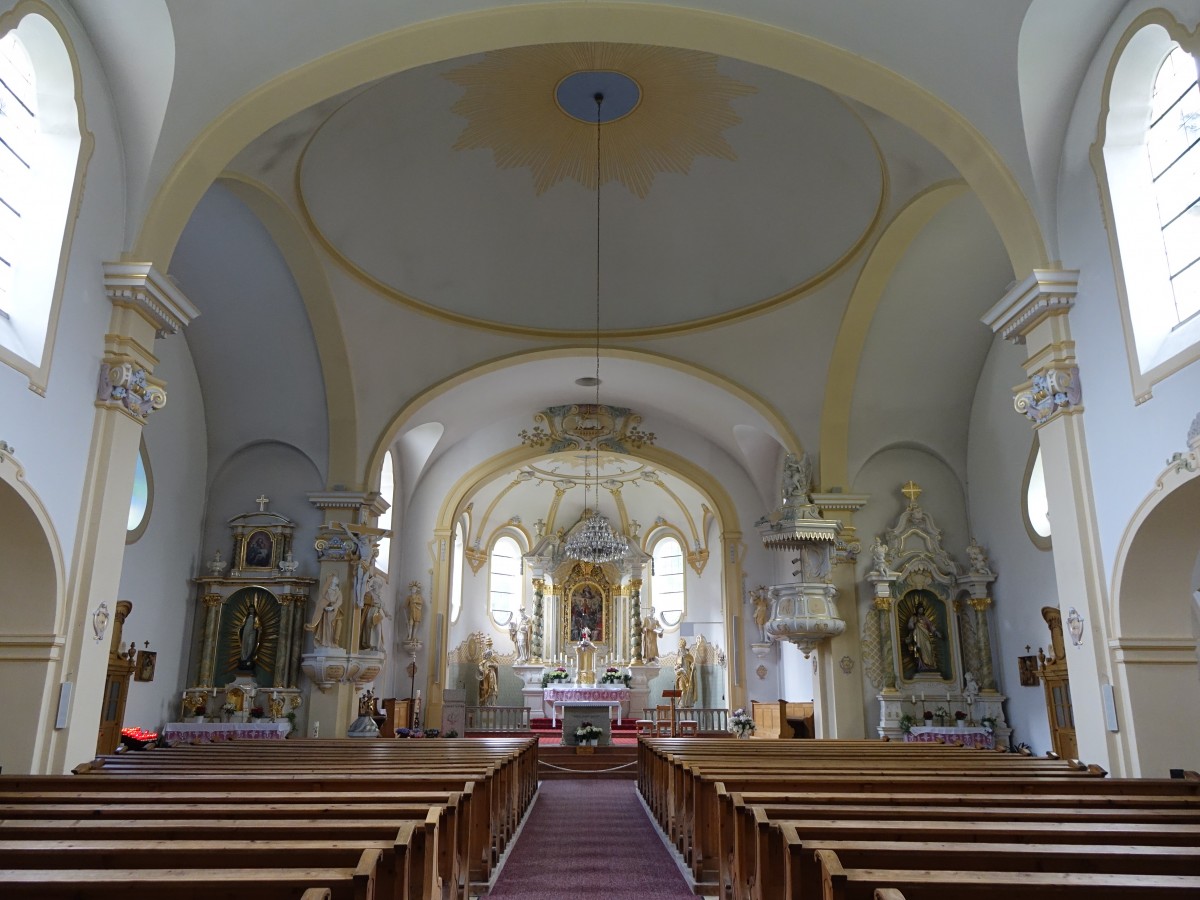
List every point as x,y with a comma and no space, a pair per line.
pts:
673,695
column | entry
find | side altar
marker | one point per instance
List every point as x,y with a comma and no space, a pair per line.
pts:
251,624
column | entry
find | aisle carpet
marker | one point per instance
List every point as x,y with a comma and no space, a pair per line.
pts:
587,838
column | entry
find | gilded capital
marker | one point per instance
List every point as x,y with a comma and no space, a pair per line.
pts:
130,389
1053,390
980,604
883,604
212,600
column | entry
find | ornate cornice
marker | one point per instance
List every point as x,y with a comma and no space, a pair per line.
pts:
586,426
155,296
1045,292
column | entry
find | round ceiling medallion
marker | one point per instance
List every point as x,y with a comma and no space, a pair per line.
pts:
576,96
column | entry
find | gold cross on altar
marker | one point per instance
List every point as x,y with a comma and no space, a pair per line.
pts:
911,490
262,502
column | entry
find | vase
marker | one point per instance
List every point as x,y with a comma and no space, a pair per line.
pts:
744,734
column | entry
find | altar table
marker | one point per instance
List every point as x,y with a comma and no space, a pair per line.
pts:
970,736
589,695
207,732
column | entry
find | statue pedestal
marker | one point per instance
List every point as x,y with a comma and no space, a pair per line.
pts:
639,688
531,686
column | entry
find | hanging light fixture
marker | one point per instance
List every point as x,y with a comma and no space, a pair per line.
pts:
595,541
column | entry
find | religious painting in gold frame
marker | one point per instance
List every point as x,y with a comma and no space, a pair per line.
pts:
586,602
258,550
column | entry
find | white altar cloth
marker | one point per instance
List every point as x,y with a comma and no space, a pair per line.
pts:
586,695
970,736
207,732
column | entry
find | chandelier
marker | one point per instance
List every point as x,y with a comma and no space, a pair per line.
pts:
595,541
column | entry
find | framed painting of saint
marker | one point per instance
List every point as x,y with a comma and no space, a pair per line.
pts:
923,639
259,551
586,611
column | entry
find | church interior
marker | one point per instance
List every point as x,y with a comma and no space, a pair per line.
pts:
462,356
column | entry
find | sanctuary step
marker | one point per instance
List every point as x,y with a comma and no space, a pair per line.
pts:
556,763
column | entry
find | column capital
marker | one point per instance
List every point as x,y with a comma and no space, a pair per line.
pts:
1046,292
140,286
1052,391
129,388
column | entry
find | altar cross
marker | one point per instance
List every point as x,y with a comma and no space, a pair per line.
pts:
262,502
911,490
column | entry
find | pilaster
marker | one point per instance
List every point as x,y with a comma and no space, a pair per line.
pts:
145,305
1036,313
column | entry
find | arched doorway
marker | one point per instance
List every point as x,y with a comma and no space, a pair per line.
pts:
30,645
1154,649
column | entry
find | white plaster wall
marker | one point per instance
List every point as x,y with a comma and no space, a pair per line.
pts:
1127,444
157,568
999,447
52,434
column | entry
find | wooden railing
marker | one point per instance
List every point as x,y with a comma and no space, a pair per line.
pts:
711,720
497,718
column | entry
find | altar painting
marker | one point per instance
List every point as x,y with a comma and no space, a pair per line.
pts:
248,641
923,638
587,611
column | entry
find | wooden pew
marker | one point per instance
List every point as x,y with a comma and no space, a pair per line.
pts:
343,883
842,883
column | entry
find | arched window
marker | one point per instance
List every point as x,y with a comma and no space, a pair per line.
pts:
142,498
1034,503
667,593
1149,172
504,580
1172,148
457,573
42,149
387,490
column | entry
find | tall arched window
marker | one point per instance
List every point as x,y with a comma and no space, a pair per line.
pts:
387,490
504,580
667,593
1172,147
43,145
1034,502
1148,166
457,573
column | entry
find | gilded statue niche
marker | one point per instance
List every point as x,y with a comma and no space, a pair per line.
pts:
587,602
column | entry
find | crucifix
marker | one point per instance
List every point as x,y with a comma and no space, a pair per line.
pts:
262,502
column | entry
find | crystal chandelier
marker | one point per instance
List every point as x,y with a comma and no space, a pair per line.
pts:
595,541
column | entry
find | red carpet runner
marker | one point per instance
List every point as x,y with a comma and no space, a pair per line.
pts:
589,838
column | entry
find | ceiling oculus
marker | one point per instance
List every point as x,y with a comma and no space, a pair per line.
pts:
533,107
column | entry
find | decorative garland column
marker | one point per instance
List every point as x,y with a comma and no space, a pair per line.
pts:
635,622
539,610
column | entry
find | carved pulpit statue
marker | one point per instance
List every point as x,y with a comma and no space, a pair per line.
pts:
585,659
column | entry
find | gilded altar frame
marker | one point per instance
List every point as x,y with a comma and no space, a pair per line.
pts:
587,598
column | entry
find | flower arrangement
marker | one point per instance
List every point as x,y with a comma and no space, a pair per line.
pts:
256,712
960,716
229,709
988,723
613,675
741,722
587,732
941,712
927,715
907,722
555,676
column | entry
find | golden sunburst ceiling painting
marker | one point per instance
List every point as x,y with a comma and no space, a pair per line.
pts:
680,109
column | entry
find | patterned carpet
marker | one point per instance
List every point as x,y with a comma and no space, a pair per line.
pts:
586,838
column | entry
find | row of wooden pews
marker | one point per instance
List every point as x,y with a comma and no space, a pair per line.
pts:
350,820
762,820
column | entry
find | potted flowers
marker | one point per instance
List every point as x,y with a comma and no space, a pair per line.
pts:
907,722
741,724
960,718
613,675
988,723
928,717
942,715
556,675
587,735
